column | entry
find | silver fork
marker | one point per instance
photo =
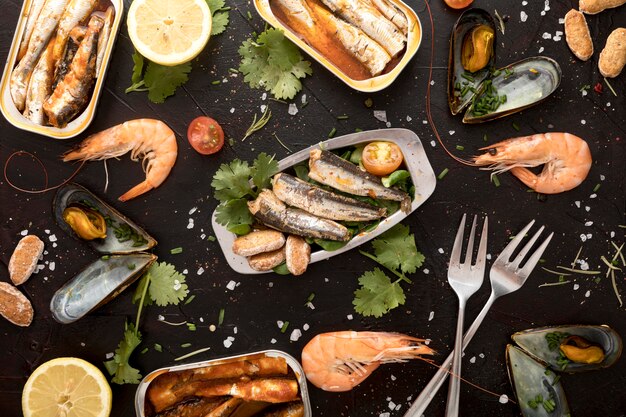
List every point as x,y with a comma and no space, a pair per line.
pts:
465,279
506,277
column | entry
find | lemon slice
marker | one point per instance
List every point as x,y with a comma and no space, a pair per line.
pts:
66,387
169,32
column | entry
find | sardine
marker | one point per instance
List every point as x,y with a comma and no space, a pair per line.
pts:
272,212
45,25
300,11
75,12
315,200
362,47
294,409
394,14
72,93
193,407
63,66
33,13
40,86
366,17
329,169
104,36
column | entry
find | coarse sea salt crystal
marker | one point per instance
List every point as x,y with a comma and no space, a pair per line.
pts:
235,330
52,265
588,293
541,49
109,355
584,93
583,122
503,399
473,359
561,20
47,231
391,405
53,238
524,3
408,118
424,122
393,377
273,341
293,109
602,177
577,204
384,415
523,16
200,271
264,96
440,250
160,317
380,115
24,232
433,143
481,356
451,132
280,324
593,195
587,208
193,210
305,327
426,271
303,99
349,317
576,287
583,237
185,271
589,223
612,234
232,110
228,342
263,107
295,335
431,315
231,285
546,35
177,285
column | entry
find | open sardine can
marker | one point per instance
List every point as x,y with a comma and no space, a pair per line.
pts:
371,83
237,363
84,118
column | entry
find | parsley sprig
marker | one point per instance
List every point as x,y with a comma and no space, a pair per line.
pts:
396,251
161,284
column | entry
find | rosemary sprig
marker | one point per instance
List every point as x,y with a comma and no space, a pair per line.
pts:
258,124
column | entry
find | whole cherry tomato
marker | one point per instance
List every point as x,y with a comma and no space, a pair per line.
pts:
205,135
458,4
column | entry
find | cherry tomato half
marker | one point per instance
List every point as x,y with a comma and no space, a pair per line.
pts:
458,4
205,135
381,158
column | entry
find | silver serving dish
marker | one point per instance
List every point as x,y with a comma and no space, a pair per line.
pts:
415,161
296,368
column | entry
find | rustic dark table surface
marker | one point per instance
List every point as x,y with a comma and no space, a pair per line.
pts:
253,307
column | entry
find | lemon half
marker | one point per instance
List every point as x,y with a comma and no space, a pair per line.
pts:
169,32
66,387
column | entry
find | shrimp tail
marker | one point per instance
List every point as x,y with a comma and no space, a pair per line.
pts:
137,190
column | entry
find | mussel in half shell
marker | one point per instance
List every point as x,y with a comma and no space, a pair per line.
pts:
97,284
120,235
572,349
539,391
472,56
514,88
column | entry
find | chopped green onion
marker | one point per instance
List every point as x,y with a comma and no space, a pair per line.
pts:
176,251
468,77
495,180
211,238
190,299
144,350
310,298
515,126
596,188
233,70
357,130
220,318
485,137
249,15
216,82
158,347
185,345
191,327
306,103
332,132
442,173
342,117
610,87
284,328
460,147
106,257
369,102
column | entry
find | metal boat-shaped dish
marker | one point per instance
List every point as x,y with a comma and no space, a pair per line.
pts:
416,163
292,363
84,119
377,83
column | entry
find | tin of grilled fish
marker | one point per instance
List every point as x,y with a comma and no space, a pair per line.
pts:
33,13
103,38
272,212
366,17
39,86
44,28
72,93
75,12
395,15
315,200
63,65
369,52
329,169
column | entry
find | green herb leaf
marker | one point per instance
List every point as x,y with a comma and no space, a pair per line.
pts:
233,213
162,81
220,16
273,63
395,177
282,269
263,169
377,294
137,67
395,249
118,367
231,181
145,280
167,286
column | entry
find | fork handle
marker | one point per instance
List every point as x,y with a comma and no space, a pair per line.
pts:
454,389
421,403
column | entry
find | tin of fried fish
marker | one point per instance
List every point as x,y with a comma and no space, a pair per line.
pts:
315,200
327,168
272,212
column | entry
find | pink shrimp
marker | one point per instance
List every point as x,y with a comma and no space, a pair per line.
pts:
149,139
566,159
339,361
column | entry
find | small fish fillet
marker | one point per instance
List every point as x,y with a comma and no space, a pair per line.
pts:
394,14
75,12
271,390
301,12
40,87
366,17
44,28
103,39
33,14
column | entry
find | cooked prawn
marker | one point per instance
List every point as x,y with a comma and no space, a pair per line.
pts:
339,361
566,159
149,139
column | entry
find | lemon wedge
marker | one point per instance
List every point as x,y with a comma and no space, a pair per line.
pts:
169,32
66,387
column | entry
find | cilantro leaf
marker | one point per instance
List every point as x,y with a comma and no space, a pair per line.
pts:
145,280
167,286
377,294
118,367
263,168
395,249
162,81
215,5
233,212
137,67
232,181
220,16
274,63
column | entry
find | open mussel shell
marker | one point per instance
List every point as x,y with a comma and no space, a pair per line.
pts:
534,342
97,284
458,77
122,236
531,382
524,83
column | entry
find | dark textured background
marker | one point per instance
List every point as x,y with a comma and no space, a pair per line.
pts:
259,301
